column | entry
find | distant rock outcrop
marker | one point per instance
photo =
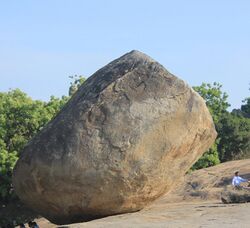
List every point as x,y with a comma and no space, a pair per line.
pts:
127,135
235,196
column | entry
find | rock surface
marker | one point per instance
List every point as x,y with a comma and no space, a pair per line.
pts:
208,183
182,208
175,215
124,139
235,196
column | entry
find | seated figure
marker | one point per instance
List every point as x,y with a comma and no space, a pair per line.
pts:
237,180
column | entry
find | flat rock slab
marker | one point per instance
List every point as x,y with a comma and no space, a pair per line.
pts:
123,140
175,215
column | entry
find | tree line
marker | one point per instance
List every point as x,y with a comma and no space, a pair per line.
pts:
233,128
22,117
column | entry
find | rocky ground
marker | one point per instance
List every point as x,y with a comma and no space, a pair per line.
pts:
186,214
195,202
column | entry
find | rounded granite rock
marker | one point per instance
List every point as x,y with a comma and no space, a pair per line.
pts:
123,140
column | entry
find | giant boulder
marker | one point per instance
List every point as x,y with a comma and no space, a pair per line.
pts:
124,139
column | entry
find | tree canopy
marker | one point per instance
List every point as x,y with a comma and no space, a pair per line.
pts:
232,127
20,119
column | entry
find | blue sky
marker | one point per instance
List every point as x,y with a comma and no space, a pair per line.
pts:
43,42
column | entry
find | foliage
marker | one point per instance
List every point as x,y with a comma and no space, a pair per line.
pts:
20,119
216,100
245,108
234,131
233,141
209,158
7,162
77,81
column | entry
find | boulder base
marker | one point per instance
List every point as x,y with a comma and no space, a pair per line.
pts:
124,139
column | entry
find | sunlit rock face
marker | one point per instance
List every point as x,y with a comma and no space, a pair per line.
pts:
123,140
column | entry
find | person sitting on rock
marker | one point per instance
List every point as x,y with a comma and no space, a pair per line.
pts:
237,180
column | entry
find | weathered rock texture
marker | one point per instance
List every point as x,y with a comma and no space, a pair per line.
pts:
123,140
235,196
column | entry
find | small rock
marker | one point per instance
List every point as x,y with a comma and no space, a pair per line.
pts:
235,196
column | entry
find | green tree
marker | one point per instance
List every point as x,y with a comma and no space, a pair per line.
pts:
7,162
216,101
210,158
245,108
77,81
234,132
54,105
233,141
20,119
